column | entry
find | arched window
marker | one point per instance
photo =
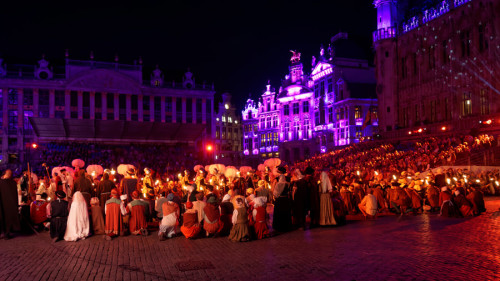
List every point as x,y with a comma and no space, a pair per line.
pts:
268,122
275,121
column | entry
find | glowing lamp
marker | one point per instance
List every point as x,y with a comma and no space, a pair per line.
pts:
487,122
34,145
376,173
409,133
420,130
454,178
448,181
179,175
209,148
394,177
113,171
443,128
478,181
496,182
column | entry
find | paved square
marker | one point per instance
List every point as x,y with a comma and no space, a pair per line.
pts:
423,247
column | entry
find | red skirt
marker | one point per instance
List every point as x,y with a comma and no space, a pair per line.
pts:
261,229
190,232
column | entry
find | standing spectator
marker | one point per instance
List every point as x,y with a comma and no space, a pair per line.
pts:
9,217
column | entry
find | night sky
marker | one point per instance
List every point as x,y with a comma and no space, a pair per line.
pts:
239,45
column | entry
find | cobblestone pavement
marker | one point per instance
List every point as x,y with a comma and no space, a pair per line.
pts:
423,247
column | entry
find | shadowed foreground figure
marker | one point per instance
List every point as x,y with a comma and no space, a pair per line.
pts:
9,218
59,211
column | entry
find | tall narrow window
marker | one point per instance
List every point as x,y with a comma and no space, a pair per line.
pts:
485,105
466,104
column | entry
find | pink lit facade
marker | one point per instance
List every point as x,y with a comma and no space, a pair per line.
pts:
316,112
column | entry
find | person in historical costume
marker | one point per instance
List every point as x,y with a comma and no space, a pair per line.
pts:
259,215
433,197
159,204
114,219
416,200
104,189
170,218
59,211
339,210
199,205
84,186
9,213
190,226
326,208
129,184
147,181
369,205
378,192
262,189
137,209
226,214
190,195
239,232
477,199
348,199
66,180
97,218
211,217
314,196
282,217
401,201
300,196
38,212
448,209
462,203
78,219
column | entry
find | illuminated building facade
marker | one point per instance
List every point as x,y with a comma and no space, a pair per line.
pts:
332,106
228,132
436,65
97,101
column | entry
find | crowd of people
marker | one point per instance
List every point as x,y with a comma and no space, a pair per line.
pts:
362,179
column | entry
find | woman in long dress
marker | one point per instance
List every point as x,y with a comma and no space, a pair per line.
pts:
78,219
326,215
282,217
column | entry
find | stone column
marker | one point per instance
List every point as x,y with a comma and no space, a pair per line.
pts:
140,108
183,110
36,101
203,111
92,105
5,124
80,105
104,106
52,103
174,110
128,107
162,109
67,103
152,109
193,105
5,110
116,106
20,121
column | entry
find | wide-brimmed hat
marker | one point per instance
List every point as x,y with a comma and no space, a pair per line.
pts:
281,170
309,170
60,194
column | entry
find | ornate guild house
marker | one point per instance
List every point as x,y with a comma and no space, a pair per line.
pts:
332,106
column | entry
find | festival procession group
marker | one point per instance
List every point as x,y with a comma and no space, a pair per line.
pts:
243,204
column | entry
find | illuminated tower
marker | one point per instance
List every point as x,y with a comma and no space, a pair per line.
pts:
384,41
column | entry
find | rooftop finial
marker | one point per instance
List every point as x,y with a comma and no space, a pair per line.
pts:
66,53
91,55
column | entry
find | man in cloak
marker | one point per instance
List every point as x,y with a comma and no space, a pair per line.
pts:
114,221
59,211
9,216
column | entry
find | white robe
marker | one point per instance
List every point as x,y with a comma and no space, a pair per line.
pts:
78,220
